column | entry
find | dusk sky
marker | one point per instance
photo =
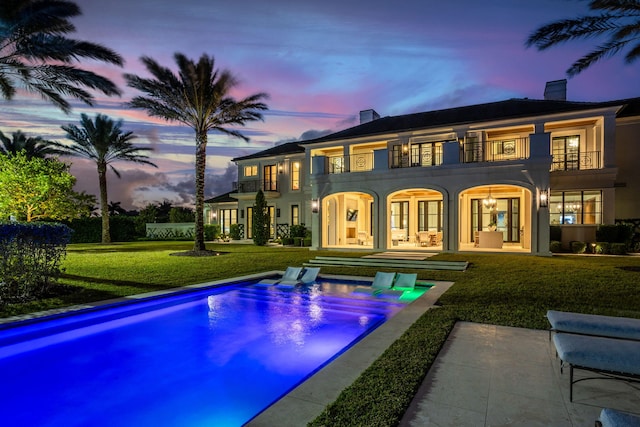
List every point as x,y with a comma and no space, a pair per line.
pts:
321,63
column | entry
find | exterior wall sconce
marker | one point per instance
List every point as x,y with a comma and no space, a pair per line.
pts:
544,198
315,205
280,168
214,215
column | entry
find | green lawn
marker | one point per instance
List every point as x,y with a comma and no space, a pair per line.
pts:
512,290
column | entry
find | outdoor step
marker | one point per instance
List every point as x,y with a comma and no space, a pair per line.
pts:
388,263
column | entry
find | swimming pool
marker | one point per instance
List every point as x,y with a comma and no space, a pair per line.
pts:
214,356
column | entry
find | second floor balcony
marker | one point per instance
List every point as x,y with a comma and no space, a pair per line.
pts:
495,150
576,161
252,186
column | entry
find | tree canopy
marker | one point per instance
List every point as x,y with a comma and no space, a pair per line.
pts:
34,188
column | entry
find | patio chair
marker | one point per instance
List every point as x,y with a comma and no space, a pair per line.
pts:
382,281
613,418
593,324
309,275
291,273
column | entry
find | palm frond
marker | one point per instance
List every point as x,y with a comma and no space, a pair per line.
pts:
571,29
602,51
627,6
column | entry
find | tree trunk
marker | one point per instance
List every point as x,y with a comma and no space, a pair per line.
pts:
201,164
104,204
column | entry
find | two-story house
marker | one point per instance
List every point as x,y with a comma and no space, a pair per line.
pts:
491,176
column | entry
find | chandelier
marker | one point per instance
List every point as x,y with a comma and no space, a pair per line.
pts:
489,202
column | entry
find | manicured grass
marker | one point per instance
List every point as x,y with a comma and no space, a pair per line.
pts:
512,290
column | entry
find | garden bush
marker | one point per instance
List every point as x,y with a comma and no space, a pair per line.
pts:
89,230
602,247
211,232
578,247
618,233
287,241
555,246
618,249
235,232
298,231
555,233
30,257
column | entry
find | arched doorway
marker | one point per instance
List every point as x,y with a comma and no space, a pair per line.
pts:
415,219
495,217
347,220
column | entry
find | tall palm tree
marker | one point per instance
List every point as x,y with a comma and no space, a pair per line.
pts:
35,53
617,19
199,97
32,146
104,142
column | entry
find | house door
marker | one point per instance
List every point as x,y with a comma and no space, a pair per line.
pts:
566,153
505,216
249,223
270,178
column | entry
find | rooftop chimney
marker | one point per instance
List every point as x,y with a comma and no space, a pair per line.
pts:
367,116
556,90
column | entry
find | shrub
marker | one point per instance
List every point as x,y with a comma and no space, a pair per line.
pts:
30,256
618,233
578,247
555,233
618,249
555,246
234,232
298,230
211,232
602,247
89,230
306,241
287,241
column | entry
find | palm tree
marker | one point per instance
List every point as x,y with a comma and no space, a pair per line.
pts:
36,53
103,142
199,97
619,19
32,146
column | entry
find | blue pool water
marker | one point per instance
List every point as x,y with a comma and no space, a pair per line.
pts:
213,357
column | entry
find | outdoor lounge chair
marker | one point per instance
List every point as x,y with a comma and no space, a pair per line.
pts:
402,282
613,418
291,273
612,358
309,275
592,324
382,281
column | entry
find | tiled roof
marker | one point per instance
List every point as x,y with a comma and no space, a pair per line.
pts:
226,197
509,109
278,150
501,110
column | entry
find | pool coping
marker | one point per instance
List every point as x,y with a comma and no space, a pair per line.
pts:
306,401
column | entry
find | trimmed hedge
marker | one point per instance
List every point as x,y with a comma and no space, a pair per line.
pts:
30,257
89,230
555,246
578,247
618,233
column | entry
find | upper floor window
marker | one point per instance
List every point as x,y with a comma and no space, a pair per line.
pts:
426,154
295,176
251,170
566,153
270,178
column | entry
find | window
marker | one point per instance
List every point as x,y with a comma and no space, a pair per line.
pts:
227,217
251,170
426,154
295,176
430,215
295,215
566,153
270,178
336,164
575,207
399,215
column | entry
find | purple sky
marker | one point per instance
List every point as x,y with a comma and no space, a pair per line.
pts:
321,63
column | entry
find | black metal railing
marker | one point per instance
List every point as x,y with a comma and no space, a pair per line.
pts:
252,186
576,161
497,150
416,156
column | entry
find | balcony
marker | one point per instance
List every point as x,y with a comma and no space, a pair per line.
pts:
252,186
576,161
495,150
416,156
361,162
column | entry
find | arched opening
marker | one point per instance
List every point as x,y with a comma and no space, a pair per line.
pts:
347,220
495,217
415,219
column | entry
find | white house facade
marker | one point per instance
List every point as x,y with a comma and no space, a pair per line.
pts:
487,177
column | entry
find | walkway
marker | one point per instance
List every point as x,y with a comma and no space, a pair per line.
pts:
489,375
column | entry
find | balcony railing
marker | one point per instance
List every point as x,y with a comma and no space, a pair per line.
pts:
495,150
362,162
576,161
252,186
416,156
